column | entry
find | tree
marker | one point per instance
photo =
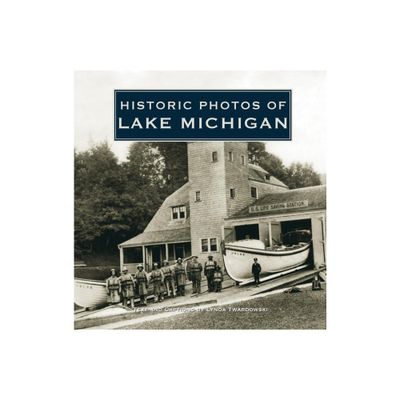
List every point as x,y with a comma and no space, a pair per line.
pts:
145,184
255,151
175,160
99,201
270,162
302,175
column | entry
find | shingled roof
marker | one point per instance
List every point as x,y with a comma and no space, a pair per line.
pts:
257,173
157,237
303,199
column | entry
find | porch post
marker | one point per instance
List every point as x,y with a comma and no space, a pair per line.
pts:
323,236
144,258
166,252
270,233
121,258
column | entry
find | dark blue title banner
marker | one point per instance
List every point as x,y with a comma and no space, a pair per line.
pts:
183,115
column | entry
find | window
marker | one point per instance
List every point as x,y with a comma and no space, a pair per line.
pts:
254,192
132,255
242,160
215,156
197,196
232,193
208,245
267,176
230,156
179,212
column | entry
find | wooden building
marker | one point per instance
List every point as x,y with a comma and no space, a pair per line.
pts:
226,198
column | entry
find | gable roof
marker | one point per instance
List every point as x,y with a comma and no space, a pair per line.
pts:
257,173
302,199
162,218
162,228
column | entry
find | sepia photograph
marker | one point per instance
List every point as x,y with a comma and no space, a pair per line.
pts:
197,234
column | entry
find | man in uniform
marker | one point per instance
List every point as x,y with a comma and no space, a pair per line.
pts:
142,282
113,286
255,270
195,269
127,287
156,277
180,275
218,277
168,279
209,268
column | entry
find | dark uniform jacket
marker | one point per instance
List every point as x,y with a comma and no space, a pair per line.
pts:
194,270
256,268
209,268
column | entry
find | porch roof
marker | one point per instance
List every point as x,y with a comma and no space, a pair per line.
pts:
302,199
153,237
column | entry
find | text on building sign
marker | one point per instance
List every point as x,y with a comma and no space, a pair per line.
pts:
279,206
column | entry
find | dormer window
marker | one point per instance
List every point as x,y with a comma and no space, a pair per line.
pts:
267,177
214,156
179,212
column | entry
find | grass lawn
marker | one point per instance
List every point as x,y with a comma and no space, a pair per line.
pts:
303,310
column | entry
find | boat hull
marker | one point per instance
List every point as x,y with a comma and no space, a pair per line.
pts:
239,259
90,293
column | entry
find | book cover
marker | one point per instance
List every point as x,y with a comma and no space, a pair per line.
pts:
200,200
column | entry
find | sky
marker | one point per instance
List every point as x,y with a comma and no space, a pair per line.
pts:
94,105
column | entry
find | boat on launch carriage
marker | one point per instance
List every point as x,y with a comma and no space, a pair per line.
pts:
292,252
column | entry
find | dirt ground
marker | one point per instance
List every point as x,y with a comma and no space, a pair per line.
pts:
303,310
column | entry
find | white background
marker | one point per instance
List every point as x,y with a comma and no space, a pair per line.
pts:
43,42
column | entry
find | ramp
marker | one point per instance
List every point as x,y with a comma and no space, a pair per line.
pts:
291,279
274,276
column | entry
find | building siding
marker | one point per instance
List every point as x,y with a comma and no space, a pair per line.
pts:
208,177
213,179
162,218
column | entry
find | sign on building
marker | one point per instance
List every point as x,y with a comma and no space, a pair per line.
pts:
279,206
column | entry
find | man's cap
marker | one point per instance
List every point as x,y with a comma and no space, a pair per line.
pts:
255,259
125,269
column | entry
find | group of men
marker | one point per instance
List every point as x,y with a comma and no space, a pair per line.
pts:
212,271
167,281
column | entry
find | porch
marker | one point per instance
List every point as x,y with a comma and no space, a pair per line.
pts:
150,247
